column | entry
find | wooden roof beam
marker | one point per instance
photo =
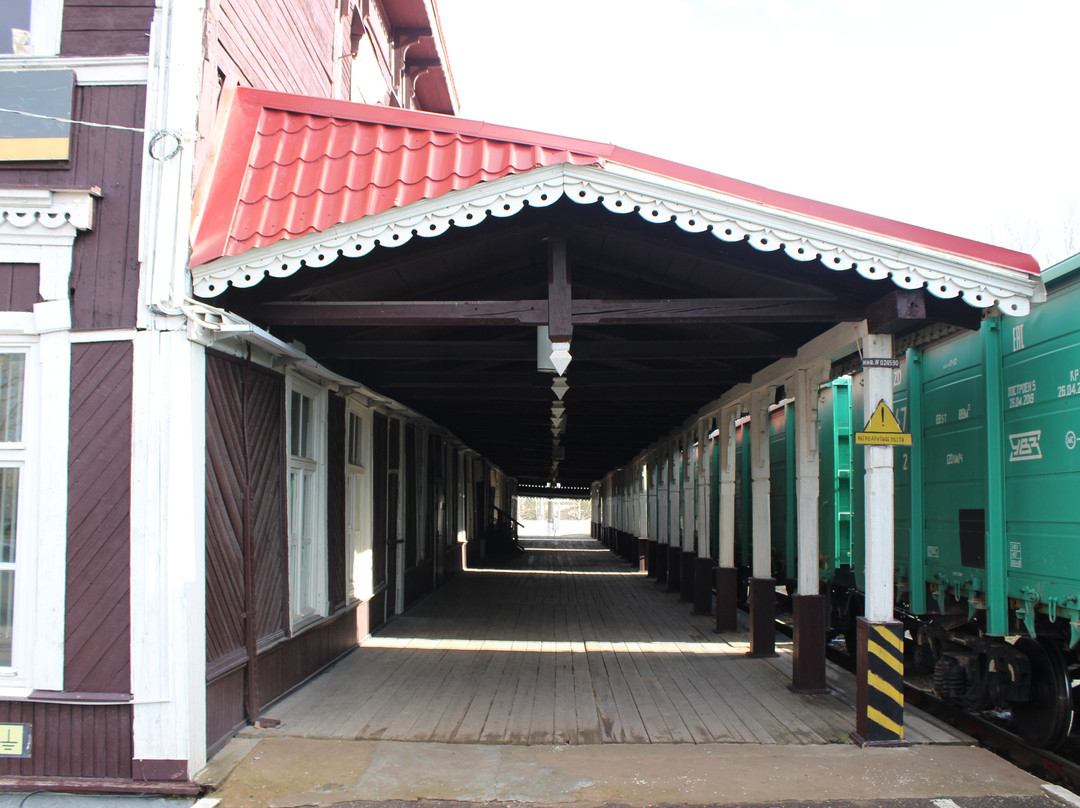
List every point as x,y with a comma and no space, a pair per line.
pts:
536,312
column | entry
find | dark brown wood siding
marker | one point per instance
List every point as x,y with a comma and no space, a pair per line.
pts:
97,652
291,663
71,740
266,451
105,267
226,471
245,502
335,503
19,287
256,43
106,27
224,708
245,451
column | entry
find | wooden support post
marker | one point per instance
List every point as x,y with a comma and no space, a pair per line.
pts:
809,606
727,577
559,297
879,705
762,584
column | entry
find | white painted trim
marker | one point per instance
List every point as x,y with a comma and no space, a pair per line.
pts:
294,382
359,566
41,456
38,226
168,574
174,79
807,479
90,71
879,491
45,26
760,487
51,462
104,335
727,486
656,199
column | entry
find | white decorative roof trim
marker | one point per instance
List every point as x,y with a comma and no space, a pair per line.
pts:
38,226
44,210
656,199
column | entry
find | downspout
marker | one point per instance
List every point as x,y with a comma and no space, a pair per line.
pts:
247,542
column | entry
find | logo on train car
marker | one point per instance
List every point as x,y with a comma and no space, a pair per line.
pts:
1025,446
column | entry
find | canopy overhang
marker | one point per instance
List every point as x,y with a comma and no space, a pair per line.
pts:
649,264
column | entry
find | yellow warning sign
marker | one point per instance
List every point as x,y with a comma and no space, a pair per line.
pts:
883,430
15,740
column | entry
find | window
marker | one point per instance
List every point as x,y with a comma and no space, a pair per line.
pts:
12,459
306,405
359,560
30,27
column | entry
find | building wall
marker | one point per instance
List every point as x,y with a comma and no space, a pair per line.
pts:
106,27
105,267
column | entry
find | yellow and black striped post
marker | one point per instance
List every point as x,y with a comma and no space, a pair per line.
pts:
879,696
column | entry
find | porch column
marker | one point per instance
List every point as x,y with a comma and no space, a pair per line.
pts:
704,563
762,584
809,606
727,576
879,703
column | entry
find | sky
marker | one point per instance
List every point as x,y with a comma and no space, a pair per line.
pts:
958,115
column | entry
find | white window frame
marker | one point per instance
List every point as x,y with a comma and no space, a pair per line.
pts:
32,554
359,548
307,556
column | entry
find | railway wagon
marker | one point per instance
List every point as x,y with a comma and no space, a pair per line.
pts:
987,509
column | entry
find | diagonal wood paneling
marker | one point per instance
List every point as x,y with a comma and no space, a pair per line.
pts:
265,424
244,452
225,470
335,503
97,616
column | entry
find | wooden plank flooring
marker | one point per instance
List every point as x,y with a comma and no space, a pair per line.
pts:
565,645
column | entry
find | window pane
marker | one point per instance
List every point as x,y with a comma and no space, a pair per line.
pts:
355,426
300,426
14,18
9,503
12,367
7,607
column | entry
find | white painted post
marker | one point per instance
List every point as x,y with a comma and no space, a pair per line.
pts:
878,488
168,576
703,475
727,487
689,483
673,503
759,428
807,476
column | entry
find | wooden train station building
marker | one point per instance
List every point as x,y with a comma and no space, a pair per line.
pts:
277,361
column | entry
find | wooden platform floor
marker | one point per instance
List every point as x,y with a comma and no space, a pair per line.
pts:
566,645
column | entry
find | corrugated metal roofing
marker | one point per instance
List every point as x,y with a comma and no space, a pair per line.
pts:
285,165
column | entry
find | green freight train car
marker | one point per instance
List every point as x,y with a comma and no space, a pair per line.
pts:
987,509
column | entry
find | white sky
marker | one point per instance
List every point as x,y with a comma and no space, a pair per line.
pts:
959,115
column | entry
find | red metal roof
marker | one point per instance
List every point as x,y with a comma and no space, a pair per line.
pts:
285,165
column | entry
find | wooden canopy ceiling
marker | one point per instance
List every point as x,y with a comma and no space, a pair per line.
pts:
661,322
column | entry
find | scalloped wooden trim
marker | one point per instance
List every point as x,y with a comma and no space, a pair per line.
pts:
908,265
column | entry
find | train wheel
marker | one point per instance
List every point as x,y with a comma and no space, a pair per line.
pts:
1047,718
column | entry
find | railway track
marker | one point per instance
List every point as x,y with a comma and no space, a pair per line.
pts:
1062,769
